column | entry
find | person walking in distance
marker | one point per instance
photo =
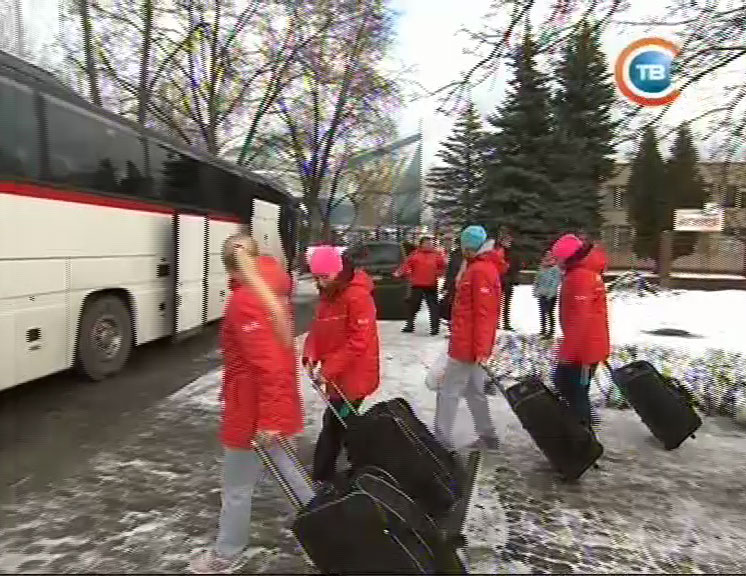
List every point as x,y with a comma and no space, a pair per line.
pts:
510,277
423,267
584,320
473,323
455,258
260,397
342,347
546,285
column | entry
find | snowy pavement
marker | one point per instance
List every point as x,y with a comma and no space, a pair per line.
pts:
149,503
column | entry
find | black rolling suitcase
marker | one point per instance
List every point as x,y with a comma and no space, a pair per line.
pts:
569,446
368,526
663,405
391,437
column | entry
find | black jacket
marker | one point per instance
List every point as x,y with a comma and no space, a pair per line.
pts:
454,264
514,266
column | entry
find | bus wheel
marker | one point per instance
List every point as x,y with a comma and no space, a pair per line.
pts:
105,338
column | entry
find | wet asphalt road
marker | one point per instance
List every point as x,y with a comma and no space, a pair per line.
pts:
51,427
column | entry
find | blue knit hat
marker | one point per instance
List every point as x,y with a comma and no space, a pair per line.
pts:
473,237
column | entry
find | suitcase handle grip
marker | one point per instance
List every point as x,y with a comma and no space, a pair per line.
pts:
270,465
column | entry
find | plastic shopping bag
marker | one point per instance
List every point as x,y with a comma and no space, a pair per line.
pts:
436,372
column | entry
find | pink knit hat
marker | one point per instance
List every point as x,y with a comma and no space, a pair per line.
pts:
566,247
325,261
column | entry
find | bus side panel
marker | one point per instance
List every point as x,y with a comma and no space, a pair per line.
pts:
123,249
136,245
7,350
55,228
265,228
217,282
149,297
33,321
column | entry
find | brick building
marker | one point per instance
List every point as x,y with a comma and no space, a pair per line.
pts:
715,252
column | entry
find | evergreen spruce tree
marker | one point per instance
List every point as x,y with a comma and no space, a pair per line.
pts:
584,130
456,182
649,206
518,192
684,186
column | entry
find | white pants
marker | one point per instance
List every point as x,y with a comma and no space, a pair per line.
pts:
242,470
467,380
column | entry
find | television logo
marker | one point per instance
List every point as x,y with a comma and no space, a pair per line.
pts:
643,72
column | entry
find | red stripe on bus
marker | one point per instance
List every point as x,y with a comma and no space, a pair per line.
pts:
47,193
231,219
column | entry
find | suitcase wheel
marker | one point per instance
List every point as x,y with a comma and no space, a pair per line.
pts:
693,436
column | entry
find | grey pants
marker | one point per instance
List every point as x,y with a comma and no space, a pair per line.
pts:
462,379
242,470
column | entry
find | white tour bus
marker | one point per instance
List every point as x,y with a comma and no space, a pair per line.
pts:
110,234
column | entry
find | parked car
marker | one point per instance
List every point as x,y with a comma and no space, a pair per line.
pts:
381,259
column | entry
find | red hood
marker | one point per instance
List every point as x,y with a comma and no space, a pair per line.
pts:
595,261
361,280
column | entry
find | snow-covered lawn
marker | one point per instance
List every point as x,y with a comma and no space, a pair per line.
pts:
718,317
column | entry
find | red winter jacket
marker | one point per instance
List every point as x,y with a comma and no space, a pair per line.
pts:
475,311
583,312
344,338
260,382
424,267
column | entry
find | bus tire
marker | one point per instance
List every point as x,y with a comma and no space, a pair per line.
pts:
105,337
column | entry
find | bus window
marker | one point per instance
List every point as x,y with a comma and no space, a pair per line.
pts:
175,176
87,151
213,182
19,134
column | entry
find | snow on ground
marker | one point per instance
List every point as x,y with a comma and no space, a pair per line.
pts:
148,505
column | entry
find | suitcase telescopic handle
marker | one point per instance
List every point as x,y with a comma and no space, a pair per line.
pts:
493,377
320,389
274,470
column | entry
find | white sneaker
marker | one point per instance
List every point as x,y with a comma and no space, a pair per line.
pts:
208,562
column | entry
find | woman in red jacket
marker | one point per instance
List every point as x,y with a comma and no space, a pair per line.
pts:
584,321
260,397
474,318
423,268
343,341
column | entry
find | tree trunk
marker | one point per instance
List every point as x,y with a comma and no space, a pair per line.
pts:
316,222
143,94
90,60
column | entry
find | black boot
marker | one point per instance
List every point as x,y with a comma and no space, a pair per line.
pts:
408,329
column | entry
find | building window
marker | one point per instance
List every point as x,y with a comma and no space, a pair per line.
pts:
617,238
708,190
615,197
730,197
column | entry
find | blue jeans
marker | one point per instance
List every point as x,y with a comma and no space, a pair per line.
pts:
573,382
